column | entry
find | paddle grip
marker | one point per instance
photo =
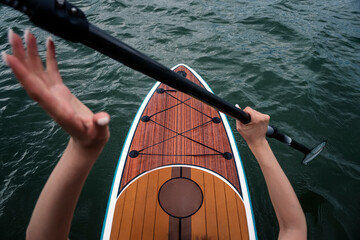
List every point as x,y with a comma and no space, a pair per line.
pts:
56,16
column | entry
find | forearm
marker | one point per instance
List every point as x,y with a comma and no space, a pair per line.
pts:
286,205
54,209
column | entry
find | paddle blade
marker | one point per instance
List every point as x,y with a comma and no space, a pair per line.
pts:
313,153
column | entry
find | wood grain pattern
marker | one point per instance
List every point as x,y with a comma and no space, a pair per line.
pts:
222,215
138,214
198,228
210,208
165,127
162,219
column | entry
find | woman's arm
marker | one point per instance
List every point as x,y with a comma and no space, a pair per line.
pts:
89,132
288,211
52,216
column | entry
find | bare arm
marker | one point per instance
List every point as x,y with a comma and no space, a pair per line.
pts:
52,216
89,132
288,211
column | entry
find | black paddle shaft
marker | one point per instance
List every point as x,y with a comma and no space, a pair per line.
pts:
68,22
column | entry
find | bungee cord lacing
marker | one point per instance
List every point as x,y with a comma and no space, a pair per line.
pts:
135,153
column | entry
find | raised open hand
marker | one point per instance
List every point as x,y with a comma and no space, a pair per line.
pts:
47,88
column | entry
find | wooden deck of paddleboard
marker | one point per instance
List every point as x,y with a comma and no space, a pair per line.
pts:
178,178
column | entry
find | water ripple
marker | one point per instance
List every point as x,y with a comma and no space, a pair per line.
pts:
298,61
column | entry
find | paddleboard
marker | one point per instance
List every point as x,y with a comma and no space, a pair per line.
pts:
179,175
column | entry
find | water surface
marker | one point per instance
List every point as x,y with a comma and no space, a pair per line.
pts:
298,61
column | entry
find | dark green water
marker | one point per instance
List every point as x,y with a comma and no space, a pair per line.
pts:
298,61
